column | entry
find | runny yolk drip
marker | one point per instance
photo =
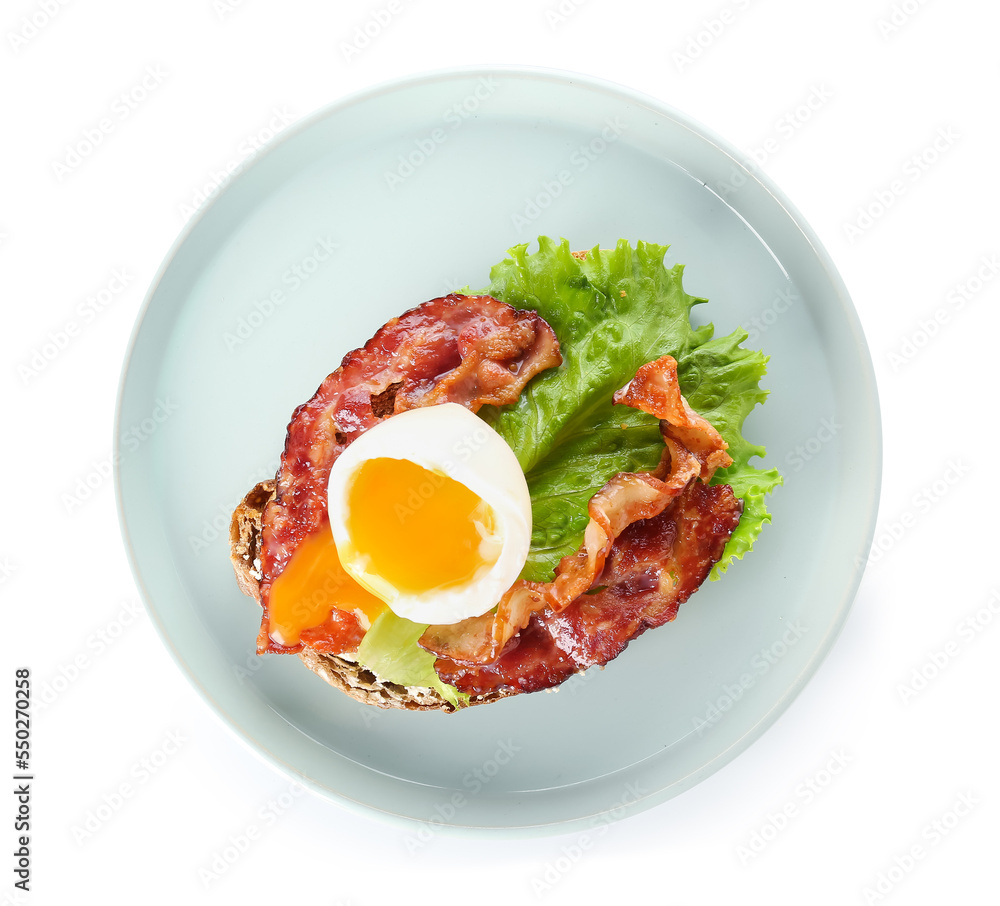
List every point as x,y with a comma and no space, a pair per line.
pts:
416,529
312,584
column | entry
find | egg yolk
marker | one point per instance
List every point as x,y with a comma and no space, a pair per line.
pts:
312,584
418,529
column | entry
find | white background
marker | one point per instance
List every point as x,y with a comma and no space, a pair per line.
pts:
886,80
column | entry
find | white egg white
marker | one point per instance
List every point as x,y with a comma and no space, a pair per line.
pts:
448,439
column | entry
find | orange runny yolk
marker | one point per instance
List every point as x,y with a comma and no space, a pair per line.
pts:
414,528
311,585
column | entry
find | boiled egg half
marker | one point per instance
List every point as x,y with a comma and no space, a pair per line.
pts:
430,512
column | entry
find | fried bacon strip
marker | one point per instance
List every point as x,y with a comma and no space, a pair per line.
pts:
693,451
655,565
472,350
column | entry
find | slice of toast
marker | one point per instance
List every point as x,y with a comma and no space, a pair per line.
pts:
339,670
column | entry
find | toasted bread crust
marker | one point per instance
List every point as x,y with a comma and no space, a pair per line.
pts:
244,537
340,671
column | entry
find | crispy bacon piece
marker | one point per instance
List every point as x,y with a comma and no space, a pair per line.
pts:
655,565
694,450
340,632
656,389
472,350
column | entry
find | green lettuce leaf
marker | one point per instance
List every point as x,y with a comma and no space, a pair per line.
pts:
390,649
613,312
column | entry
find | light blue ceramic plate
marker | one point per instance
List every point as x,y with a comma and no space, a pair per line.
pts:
401,194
